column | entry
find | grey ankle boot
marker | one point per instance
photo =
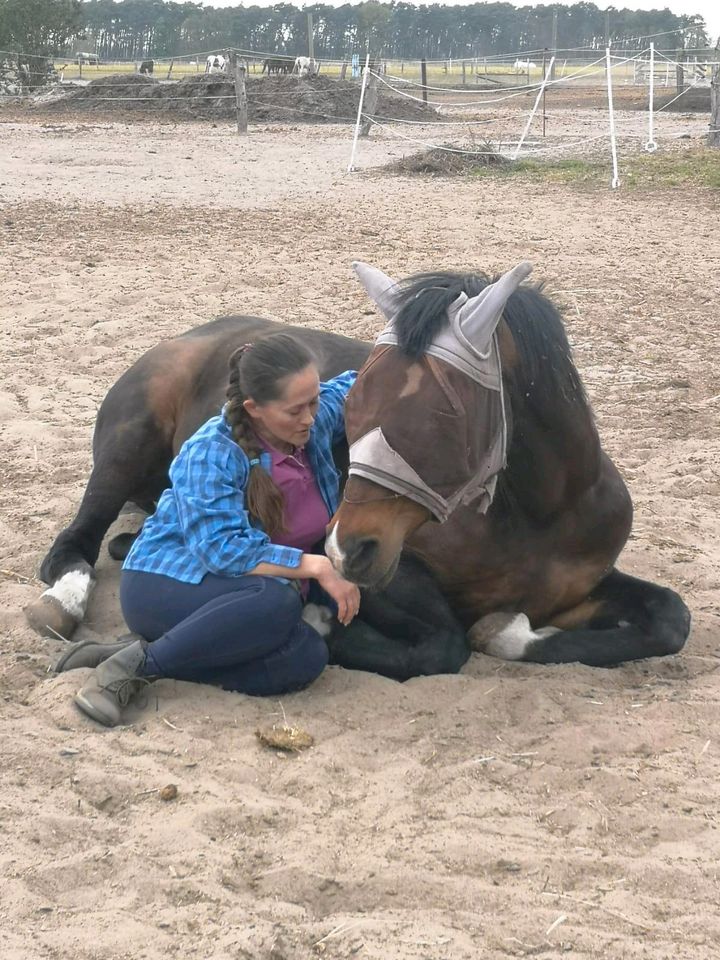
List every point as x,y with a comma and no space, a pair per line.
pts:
114,683
90,653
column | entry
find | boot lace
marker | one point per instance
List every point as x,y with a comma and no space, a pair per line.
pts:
125,690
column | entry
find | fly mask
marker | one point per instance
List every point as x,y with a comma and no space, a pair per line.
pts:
440,437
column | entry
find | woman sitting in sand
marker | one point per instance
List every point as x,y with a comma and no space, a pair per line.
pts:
219,573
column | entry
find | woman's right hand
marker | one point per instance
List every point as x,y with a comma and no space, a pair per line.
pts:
345,594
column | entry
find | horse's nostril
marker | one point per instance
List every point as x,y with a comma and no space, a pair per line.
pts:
362,552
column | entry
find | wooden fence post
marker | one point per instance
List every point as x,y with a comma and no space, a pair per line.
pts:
679,78
463,72
372,93
170,68
241,111
343,70
714,135
423,79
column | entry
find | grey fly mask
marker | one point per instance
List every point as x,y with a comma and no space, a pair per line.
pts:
443,461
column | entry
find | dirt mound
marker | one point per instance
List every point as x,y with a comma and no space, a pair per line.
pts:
212,97
447,160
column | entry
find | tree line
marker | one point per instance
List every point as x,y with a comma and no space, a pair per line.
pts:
136,29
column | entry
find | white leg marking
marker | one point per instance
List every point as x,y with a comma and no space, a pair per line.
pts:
333,550
72,591
318,617
505,635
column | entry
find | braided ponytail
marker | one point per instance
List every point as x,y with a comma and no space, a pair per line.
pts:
257,371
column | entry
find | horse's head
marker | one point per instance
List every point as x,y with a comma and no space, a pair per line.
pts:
426,418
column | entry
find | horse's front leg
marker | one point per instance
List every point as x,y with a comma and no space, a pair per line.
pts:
624,618
406,630
121,474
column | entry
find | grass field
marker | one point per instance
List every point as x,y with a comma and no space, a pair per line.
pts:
449,73
698,167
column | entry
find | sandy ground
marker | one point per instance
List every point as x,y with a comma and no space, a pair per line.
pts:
513,810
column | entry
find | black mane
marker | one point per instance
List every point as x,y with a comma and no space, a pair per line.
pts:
546,372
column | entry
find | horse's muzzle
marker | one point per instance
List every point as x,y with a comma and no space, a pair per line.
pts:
360,554
363,564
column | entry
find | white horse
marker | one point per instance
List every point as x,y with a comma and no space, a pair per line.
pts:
216,63
306,67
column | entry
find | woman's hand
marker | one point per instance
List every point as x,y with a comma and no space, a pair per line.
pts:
345,594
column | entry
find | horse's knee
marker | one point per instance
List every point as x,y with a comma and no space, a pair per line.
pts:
443,653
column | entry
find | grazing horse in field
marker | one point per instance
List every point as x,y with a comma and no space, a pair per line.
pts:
480,509
146,67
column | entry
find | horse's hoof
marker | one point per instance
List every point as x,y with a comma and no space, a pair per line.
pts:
49,618
119,546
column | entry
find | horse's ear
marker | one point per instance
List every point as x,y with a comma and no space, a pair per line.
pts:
480,315
378,286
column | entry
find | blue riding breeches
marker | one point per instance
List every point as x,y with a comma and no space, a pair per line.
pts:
239,633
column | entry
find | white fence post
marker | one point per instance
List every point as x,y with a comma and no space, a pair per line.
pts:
351,166
650,145
547,76
615,183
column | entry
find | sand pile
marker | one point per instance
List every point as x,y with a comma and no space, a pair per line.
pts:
212,97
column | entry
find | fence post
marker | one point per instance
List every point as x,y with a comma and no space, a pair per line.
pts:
241,110
80,66
423,79
372,93
615,182
351,165
170,68
541,93
343,70
679,73
650,144
714,135
463,73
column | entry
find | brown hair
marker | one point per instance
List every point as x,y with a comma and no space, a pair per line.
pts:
257,372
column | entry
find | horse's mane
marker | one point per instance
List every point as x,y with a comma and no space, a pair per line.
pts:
546,372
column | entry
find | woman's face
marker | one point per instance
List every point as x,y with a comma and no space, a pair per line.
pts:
287,420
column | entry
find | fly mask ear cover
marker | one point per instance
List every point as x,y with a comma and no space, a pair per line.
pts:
454,455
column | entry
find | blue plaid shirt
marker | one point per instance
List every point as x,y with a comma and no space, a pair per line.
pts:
201,524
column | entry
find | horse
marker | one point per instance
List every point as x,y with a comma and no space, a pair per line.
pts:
471,413
216,63
480,511
306,67
141,424
277,65
146,67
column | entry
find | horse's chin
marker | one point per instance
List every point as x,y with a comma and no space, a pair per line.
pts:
380,581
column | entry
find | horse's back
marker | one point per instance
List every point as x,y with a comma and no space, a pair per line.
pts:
178,384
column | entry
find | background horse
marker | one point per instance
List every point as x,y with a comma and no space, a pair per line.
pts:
543,552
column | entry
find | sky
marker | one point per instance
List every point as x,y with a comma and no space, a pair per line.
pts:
709,10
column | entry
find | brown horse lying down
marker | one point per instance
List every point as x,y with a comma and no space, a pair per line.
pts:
469,411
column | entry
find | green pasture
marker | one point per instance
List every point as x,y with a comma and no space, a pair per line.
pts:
445,73
697,166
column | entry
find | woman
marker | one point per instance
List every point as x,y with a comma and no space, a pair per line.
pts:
217,577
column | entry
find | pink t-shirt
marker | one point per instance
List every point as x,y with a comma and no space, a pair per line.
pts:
306,515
